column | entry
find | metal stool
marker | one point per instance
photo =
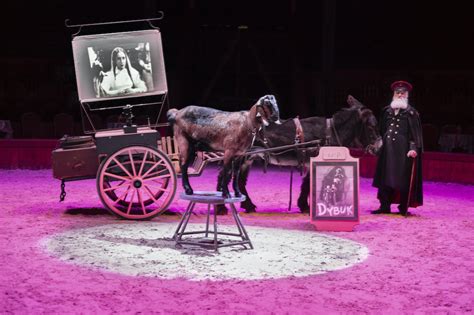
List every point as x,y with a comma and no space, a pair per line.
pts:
211,198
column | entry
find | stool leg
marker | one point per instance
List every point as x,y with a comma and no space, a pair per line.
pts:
207,219
245,236
184,222
181,221
216,246
234,215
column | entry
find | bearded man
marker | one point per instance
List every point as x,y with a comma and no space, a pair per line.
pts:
398,175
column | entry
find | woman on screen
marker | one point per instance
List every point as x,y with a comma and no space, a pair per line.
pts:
122,79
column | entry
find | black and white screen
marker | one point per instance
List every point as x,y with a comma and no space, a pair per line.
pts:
119,65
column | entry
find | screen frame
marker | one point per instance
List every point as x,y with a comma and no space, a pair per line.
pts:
315,169
84,78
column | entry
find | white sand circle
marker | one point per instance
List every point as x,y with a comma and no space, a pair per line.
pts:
146,249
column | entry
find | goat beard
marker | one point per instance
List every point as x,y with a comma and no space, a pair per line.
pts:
399,103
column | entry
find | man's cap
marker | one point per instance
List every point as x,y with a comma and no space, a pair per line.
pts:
401,85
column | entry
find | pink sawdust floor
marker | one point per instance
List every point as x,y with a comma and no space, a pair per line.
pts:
421,264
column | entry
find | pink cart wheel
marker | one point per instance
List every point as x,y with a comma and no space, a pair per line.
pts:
136,182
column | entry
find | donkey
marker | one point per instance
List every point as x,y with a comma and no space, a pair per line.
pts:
355,126
208,129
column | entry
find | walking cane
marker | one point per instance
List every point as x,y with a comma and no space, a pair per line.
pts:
291,189
411,184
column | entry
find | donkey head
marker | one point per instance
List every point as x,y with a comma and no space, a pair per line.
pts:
369,132
267,110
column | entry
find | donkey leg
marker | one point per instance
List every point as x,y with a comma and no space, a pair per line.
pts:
304,194
247,204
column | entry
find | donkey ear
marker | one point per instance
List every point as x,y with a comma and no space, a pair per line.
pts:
350,100
353,102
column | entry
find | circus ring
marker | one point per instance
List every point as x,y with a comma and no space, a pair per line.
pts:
146,249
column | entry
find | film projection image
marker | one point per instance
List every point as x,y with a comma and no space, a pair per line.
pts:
119,65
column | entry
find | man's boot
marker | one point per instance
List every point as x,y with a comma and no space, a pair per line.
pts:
384,208
381,210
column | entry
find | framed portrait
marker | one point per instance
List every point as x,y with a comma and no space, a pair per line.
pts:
119,65
334,194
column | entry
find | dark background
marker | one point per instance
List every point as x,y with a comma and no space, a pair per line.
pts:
226,54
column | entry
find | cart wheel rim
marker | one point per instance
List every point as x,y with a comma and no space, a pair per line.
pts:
136,182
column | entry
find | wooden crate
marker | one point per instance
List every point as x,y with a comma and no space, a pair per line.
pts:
170,147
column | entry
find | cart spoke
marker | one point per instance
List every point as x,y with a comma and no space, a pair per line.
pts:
122,167
115,187
156,188
162,182
143,163
152,168
132,162
140,199
157,177
157,173
149,192
116,176
124,195
131,202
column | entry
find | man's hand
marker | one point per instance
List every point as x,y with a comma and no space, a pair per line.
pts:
412,154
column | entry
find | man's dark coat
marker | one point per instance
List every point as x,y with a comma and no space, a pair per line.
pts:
400,133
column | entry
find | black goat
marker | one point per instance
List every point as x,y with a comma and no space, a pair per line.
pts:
209,129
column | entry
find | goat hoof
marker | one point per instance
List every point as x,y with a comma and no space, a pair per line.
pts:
237,194
226,194
221,210
188,191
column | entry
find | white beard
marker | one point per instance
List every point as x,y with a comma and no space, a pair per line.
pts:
399,103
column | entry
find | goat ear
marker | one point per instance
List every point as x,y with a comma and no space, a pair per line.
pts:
261,100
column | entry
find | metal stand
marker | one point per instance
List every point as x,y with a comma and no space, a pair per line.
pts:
213,242
80,26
